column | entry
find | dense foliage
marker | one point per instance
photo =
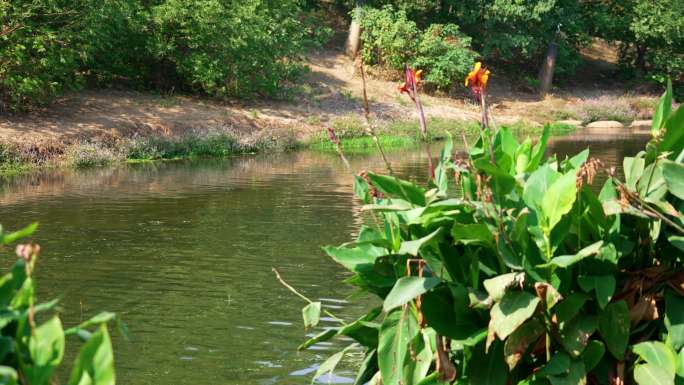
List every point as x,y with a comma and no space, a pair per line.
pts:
511,268
221,48
517,33
651,34
32,341
391,40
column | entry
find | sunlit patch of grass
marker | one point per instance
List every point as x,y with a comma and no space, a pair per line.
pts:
364,143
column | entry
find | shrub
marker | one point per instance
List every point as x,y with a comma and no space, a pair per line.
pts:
233,48
605,108
445,54
518,270
90,154
391,40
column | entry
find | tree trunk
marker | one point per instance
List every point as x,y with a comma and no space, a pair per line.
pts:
547,69
354,37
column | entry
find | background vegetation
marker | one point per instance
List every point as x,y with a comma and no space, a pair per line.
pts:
254,48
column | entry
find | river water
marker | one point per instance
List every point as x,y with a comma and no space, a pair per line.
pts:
183,251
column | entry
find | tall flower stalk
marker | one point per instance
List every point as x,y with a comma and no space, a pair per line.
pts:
477,82
410,87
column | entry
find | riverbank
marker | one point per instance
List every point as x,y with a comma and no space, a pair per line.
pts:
93,128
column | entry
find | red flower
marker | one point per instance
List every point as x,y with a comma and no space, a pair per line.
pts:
412,78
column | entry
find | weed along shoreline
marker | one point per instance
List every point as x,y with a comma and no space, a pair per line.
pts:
24,156
37,153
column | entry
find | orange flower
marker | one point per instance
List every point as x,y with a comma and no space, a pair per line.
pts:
477,79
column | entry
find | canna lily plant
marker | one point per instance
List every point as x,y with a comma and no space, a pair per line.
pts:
513,267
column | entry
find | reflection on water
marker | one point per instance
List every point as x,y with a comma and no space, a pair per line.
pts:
184,250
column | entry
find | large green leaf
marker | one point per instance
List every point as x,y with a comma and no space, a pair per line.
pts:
662,111
614,327
673,140
328,366
569,260
602,285
408,288
513,310
558,199
520,340
361,330
95,362
497,286
442,170
398,188
674,319
6,239
649,374
501,181
475,233
448,319
413,247
539,150
576,333
368,368
8,376
568,308
633,168
592,354
423,355
652,185
488,368
355,258
674,178
559,364
396,333
576,375
537,185
311,314
46,346
658,354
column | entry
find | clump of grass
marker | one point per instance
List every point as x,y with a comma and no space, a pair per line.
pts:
12,159
349,126
219,143
601,108
91,154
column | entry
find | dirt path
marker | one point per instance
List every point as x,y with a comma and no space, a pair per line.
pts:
331,90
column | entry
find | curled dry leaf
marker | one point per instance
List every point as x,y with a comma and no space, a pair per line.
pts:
645,309
445,368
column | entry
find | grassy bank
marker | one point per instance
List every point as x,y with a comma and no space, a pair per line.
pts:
353,136
22,157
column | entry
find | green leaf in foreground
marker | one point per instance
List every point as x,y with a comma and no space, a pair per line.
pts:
614,327
602,285
674,319
397,330
657,353
569,260
47,349
674,178
311,314
413,247
649,374
95,362
408,288
513,310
